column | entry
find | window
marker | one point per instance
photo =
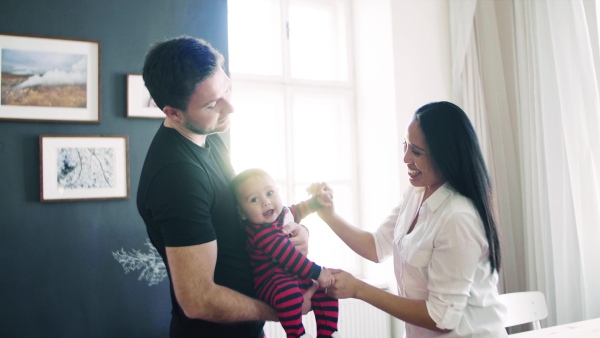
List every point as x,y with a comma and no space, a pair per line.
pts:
295,110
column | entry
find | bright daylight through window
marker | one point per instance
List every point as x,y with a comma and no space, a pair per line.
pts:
295,111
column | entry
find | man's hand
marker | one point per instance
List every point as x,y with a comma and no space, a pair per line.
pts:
298,236
307,302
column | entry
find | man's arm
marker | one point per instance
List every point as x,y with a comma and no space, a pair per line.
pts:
192,270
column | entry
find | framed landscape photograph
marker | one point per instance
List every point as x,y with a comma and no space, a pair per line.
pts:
49,79
139,101
84,168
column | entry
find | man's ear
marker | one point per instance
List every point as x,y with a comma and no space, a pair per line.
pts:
240,212
172,113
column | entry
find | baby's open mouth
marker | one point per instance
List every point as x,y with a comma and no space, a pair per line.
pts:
269,213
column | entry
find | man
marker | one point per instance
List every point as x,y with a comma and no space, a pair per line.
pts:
185,200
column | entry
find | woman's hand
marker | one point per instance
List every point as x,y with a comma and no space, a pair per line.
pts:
298,236
345,286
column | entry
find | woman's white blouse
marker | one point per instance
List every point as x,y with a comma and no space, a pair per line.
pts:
445,262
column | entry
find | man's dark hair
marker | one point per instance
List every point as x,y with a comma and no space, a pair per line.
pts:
174,68
456,156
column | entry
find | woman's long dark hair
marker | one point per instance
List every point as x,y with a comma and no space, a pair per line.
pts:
455,153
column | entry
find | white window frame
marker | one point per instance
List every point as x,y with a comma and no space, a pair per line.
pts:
292,85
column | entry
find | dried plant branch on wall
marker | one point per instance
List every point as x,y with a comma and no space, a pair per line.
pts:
151,264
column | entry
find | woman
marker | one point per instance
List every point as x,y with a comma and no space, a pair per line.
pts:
442,236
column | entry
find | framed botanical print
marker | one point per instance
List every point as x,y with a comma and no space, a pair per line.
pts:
84,168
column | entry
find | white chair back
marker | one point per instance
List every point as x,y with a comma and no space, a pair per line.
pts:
525,307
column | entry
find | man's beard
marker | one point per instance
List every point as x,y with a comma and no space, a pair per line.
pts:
194,129
202,131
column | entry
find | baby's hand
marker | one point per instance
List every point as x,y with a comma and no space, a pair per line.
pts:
325,279
322,192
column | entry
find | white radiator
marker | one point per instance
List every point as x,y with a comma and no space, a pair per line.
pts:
357,319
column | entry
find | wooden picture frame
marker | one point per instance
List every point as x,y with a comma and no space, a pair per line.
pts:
49,79
85,167
139,101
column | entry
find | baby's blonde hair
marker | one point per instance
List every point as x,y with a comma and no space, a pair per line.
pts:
242,177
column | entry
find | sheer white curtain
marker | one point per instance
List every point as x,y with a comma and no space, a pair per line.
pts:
559,111
479,88
530,84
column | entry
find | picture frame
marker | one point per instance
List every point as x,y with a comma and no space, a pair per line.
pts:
49,79
139,101
88,167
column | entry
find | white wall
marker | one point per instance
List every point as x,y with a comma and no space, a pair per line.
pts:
376,119
402,52
421,38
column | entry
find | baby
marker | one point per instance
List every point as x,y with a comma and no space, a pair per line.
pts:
281,273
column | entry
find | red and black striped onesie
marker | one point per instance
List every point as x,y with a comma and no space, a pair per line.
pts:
282,274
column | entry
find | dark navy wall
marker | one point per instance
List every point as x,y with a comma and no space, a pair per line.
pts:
58,277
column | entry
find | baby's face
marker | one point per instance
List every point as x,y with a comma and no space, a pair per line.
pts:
259,200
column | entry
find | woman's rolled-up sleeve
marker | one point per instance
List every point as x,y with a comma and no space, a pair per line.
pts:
459,245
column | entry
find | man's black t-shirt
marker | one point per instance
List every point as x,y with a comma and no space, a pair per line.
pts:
184,199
